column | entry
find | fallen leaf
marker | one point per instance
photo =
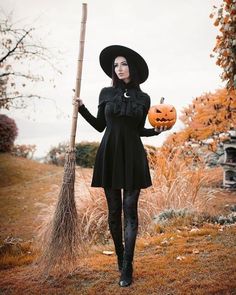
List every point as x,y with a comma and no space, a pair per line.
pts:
108,252
194,230
180,257
165,242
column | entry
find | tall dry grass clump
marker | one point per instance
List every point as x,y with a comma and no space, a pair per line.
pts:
178,183
92,212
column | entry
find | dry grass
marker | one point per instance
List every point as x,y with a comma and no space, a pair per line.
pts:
177,184
15,253
171,263
28,192
178,258
92,213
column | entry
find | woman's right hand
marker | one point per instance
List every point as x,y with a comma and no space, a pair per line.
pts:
161,129
77,101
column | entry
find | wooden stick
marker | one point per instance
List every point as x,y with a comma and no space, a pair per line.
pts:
79,75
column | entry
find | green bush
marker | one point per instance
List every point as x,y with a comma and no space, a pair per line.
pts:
8,133
86,153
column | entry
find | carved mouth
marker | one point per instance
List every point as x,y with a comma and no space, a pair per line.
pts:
163,120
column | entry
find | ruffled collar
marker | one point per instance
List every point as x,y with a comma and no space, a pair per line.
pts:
127,101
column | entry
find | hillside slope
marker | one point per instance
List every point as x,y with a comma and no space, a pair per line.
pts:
25,188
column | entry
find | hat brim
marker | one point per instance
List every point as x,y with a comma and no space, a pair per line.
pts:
109,53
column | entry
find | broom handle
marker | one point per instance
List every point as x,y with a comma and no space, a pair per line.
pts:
78,75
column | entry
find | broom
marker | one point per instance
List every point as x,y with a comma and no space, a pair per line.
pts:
61,241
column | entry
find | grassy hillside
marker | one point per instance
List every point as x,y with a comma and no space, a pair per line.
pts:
179,258
25,188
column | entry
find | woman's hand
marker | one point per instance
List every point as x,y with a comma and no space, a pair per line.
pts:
77,101
161,129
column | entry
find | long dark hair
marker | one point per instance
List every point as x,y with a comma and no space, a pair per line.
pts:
134,77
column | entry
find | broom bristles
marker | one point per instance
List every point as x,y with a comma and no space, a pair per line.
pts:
61,243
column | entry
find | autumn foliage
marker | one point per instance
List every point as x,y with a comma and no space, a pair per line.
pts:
8,133
225,48
210,116
208,119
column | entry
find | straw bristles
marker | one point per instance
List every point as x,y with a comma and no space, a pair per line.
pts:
60,243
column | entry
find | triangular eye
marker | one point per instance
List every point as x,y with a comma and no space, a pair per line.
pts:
172,110
158,111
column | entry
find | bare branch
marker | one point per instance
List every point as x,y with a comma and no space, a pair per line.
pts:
17,44
31,77
18,52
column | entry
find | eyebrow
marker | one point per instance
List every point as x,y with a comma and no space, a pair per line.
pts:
123,61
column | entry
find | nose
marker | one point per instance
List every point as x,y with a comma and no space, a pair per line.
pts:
119,68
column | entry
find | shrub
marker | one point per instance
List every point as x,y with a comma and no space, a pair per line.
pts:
195,218
86,153
57,154
8,133
228,219
168,214
24,150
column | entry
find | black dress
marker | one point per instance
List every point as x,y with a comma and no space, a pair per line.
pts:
121,160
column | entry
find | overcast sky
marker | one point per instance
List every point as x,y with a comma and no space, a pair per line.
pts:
175,37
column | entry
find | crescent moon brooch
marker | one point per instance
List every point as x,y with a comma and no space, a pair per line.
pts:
126,95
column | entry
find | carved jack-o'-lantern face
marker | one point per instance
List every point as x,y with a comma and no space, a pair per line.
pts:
162,115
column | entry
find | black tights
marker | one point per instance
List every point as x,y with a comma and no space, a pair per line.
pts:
130,204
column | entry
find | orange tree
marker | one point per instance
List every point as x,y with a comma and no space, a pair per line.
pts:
211,115
207,119
225,48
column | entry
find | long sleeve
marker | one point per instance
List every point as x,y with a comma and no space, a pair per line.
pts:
146,131
99,122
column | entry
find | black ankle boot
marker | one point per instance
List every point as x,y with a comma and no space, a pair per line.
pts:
126,274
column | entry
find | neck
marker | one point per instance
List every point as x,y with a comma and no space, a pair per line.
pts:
126,81
121,84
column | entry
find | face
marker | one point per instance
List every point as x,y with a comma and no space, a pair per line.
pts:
122,69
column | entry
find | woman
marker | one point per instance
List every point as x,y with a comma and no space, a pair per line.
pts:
121,163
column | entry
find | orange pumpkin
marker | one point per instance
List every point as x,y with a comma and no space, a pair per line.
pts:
162,115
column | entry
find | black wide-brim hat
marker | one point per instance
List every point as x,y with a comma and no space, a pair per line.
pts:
109,53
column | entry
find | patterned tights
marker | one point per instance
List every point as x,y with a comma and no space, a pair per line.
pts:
130,204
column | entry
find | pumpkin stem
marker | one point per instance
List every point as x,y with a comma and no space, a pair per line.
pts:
162,100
